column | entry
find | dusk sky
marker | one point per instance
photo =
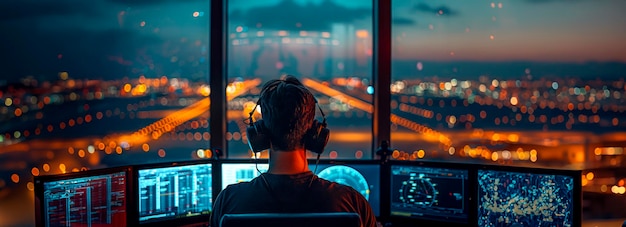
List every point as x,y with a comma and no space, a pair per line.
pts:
42,36
538,30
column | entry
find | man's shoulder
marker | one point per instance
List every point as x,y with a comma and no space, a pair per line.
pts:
337,188
239,186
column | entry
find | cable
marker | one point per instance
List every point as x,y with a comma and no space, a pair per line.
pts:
317,162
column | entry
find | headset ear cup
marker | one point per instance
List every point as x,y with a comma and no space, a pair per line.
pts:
317,138
322,139
258,139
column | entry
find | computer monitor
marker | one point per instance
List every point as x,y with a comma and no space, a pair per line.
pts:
363,176
175,193
87,198
528,197
430,193
233,173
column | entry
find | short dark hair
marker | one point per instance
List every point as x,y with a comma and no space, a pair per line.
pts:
288,111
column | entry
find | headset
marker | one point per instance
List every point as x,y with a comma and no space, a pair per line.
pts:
315,139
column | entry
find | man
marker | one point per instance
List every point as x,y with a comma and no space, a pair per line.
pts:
288,186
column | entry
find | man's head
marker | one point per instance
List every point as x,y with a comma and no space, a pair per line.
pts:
288,110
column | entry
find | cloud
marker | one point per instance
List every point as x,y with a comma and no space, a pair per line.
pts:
287,15
441,10
84,52
402,21
549,1
32,9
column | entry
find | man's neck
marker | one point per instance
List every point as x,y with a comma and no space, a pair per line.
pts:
288,162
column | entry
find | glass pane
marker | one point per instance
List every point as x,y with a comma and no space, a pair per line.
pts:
326,44
95,84
513,83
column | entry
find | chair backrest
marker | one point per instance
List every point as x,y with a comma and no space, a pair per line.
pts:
337,219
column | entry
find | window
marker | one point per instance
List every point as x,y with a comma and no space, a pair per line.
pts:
326,44
524,82
94,84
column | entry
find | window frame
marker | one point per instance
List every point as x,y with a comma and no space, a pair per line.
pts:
381,75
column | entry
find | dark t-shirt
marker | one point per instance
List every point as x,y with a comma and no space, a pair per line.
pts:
300,193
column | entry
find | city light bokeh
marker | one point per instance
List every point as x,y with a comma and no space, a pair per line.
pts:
113,83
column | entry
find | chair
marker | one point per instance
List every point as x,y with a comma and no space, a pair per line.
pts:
338,219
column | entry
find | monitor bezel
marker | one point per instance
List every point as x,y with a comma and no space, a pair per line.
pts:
470,200
191,220
38,182
576,175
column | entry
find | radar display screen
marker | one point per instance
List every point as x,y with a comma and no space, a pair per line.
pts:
524,199
365,178
233,173
172,192
85,201
438,194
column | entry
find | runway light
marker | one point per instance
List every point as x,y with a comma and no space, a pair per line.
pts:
589,176
421,154
161,153
8,102
395,154
15,178
451,150
358,154
333,155
494,156
514,101
200,153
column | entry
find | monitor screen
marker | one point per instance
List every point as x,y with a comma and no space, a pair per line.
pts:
98,200
241,172
430,193
173,192
524,199
365,178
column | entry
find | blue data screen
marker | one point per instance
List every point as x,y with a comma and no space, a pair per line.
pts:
174,192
